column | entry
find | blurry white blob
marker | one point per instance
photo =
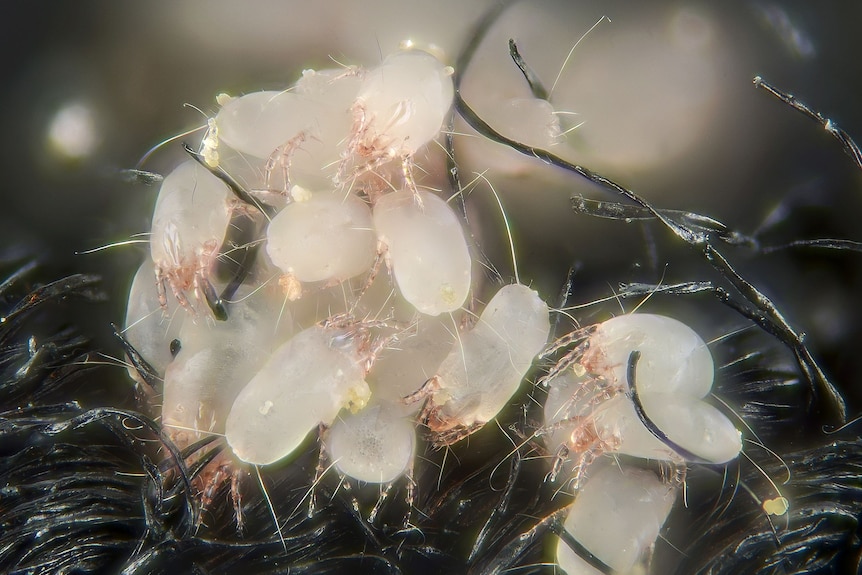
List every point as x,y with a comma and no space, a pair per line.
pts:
791,35
530,121
644,86
73,132
623,70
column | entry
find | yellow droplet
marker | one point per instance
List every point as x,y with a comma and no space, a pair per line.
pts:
447,295
300,194
357,397
211,157
777,506
291,286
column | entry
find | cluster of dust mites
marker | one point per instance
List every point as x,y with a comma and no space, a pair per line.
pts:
327,168
354,318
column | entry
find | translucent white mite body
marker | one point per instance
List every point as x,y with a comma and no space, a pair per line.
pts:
674,373
485,368
617,515
375,445
326,142
414,358
399,108
215,362
304,383
674,358
425,248
530,121
303,131
192,213
146,328
533,121
258,123
322,236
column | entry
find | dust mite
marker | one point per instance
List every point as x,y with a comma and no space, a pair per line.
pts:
595,401
399,108
616,517
424,245
485,368
278,407
322,236
191,216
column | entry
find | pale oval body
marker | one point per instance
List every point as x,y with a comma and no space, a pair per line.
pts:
485,368
427,250
694,425
673,358
404,102
673,374
147,327
617,515
305,382
216,360
375,445
328,236
190,218
689,422
413,359
258,123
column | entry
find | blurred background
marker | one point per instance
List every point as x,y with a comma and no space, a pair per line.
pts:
661,94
